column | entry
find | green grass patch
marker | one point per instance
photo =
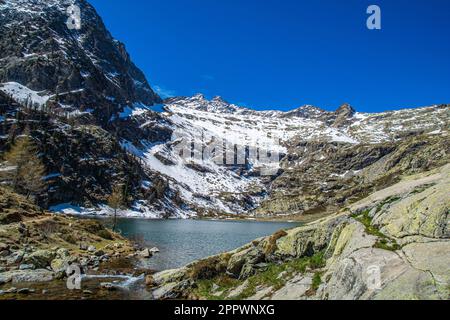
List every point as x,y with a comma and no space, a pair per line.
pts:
366,220
317,261
316,281
383,242
225,283
387,244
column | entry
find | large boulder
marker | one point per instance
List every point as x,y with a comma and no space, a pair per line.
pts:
167,276
20,276
410,285
241,263
295,289
354,276
61,261
171,290
58,265
145,253
40,258
15,258
309,239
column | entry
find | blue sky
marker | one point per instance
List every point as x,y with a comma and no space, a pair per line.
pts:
283,54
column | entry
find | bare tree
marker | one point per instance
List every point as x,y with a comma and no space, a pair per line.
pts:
115,201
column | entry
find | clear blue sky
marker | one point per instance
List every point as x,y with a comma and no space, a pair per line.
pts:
270,54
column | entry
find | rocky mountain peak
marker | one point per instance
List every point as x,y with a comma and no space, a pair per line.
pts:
38,6
342,115
346,110
306,111
201,103
219,99
78,68
199,96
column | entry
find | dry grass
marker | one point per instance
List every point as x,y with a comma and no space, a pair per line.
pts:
271,245
209,268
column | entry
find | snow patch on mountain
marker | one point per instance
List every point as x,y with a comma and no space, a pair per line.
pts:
23,94
138,210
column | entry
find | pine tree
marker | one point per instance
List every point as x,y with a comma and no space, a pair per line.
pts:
115,201
27,170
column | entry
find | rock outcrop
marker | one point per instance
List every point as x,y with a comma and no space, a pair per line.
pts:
392,245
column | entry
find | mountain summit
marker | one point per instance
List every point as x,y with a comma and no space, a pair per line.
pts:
78,68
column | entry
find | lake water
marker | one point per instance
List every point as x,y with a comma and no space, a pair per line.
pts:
183,241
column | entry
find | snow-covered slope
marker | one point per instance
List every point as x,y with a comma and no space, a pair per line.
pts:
24,95
205,185
304,123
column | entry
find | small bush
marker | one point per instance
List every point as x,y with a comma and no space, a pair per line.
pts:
49,227
316,281
69,238
317,261
91,226
209,268
105,234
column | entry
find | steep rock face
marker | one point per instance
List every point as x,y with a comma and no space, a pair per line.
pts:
424,214
83,68
74,90
85,165
343,115
82,161
331,175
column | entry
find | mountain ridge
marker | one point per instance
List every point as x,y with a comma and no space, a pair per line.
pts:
93,114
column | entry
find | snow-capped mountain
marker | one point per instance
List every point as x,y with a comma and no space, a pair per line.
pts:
233,188
307,122
92,114
75,69
68,86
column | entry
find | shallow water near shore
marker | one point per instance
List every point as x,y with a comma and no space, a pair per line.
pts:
180,242
183,241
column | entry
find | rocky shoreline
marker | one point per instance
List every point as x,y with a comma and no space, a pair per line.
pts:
37,247
394,244
107,273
